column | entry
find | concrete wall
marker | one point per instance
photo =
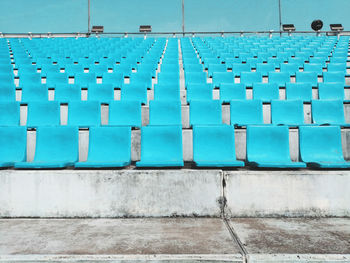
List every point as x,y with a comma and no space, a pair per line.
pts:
110,193
287,193
183,192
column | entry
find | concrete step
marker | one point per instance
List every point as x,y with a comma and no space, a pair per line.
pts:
175,240
182,192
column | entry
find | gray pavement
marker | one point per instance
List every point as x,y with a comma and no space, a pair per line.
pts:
175,239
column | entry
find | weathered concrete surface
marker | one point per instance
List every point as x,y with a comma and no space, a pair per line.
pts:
291,193
117,240
110,193
294,239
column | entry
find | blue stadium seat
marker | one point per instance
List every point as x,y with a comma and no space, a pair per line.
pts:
289,68
223,77
246,112
56,147
7,92
338,77
279,78
141,79
116,79
195,77
265,91
161,146
248,78
299,91
337,67
123,69
289,112
134,93
49,69
307,77
214,146
314,67
216,68
165,113
193,68
53,79
84,79
320,146
98,69
125,113
35,93
169,79
65,93
43,113
108,147
103,93
9,113
268,146
84,113
30,79
236,91
27,70
7,79
238,68
13,141
331,91
205,112
328,112
166,92
199,92
264,68
73,69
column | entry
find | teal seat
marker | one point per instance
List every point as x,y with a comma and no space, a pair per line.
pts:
56,78
13,141
331,77
35,93
287,112
125,113
165,113
7,92
108,147
103,93
328,112
56,147
205,112
84,79
320,146
65,93
299,91
265,91
235,91
307,77
249,78
214,146
84,113
195,77
43,113
161,146
9,113
280,78
223,77
246,112
166,92
199,92
331,91
134,93
268,146
115,78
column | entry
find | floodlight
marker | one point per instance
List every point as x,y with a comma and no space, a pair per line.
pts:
336,27
145,29
317,25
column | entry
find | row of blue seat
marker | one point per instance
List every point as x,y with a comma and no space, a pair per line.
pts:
161,146
128,113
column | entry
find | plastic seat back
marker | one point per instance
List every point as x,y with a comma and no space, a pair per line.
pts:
199,92
84,79
279,78
103,93
331,91
66,93
246,112
205,112
307,77
161,146
13,141
230,92
328,112
125,113
223,77
35,93
248,78
84,113
299,91
265,91
338,77
165,113
9,113
289,112
42,113
116,79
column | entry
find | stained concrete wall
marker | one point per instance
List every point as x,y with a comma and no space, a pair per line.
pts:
110,193
287,193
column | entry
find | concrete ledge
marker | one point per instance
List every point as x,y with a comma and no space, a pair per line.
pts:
305,193
117,240
110,193
297,258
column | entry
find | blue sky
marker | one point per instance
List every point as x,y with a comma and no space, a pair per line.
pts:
165,15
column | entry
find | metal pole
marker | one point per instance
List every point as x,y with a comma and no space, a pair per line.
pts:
183,17
280,15
88,16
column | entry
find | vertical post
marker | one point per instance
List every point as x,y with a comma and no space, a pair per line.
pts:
88,16
280,15
183,17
